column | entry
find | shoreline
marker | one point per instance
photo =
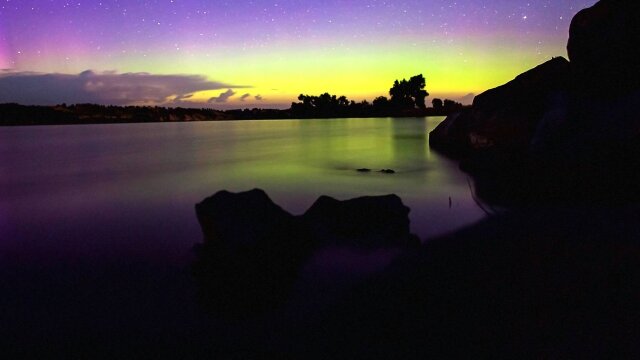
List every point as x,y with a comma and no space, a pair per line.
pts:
212,120
89,114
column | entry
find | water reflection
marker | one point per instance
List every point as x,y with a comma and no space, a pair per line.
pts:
410,143
59,175
101,217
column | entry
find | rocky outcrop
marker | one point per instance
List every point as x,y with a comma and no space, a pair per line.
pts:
251,253
368,222
451,136
525,284
561,102
249,218
505,117
603,49
605,74
562,129
253,249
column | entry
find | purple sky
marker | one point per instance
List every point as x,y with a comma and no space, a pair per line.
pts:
282,48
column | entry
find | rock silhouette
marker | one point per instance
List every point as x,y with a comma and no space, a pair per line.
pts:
527,283
505,117
253,249
530,284
563,131
250,255
369,222
603,49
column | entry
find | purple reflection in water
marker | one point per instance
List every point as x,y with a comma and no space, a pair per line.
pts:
97,222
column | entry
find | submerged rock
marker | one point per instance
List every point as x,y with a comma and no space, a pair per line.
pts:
253,249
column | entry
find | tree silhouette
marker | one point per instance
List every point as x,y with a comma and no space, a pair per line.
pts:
409,94
327,105
452,106
381,102
437,104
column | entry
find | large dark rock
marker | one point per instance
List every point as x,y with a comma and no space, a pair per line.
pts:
505,117
561,131
364,222
251,253
591,99
253,249
451,136
605,73
535,284
603,49
247,217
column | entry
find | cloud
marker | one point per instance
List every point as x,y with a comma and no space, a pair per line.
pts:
259,97
244,97
179,98
107,88
223,97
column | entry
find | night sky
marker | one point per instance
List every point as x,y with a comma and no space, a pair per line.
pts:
264,53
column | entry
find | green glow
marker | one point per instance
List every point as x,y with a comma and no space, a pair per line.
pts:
280,73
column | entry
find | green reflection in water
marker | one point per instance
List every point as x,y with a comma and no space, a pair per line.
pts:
87,168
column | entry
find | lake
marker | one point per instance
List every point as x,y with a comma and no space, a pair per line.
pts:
97,222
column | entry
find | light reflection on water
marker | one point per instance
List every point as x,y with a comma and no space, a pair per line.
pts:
129,190
97,222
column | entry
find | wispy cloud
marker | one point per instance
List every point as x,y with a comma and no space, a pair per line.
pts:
244,97
259,97
179,98
109,88
223,97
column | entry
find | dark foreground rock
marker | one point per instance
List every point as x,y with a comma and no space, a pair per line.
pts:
251,252
253,249
366,222
526,285
603,49
536,283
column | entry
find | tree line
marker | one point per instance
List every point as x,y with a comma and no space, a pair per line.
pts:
407,98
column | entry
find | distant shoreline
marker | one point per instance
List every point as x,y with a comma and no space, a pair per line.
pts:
91,114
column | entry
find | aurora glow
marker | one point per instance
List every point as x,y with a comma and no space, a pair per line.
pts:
282,48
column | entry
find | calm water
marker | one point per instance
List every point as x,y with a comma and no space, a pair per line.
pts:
99,219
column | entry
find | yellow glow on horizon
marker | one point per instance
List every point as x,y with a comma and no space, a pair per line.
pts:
366,75
280,73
